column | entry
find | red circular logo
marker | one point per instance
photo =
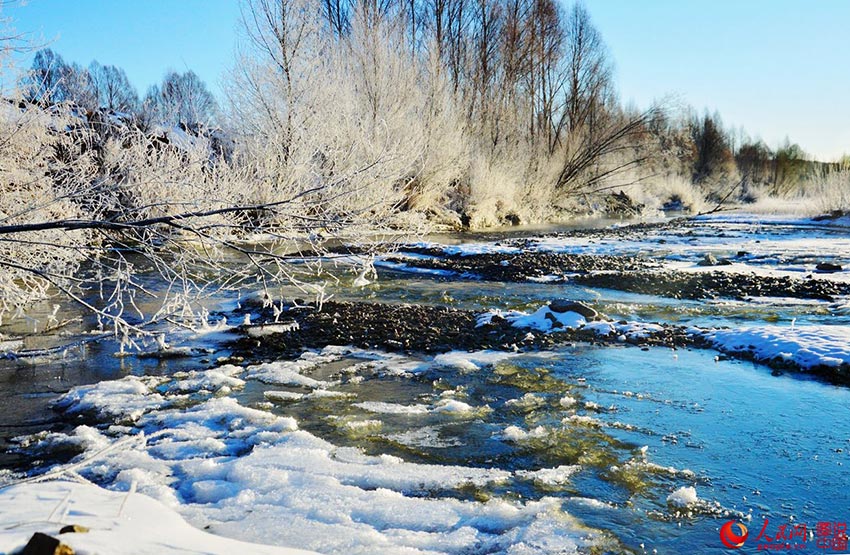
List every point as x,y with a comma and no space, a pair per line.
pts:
728,536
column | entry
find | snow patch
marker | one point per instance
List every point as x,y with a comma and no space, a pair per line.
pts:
683,497
806,346
120,523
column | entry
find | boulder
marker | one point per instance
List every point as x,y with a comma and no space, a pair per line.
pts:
564,305
555,322
828,267
711,260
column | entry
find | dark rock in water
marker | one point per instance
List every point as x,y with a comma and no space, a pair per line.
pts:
742,254
563,305
828,267
465,220
497,320
512,219
42,544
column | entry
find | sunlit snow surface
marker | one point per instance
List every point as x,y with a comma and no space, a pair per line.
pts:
807,346
120,523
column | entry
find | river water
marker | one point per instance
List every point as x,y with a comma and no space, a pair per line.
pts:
620,428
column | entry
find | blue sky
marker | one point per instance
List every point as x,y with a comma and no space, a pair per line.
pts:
776,67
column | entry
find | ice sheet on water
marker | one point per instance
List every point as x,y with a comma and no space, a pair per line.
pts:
444,406
470,362
551,476
127,398
428,436
290,372
392,408
242,472
219,379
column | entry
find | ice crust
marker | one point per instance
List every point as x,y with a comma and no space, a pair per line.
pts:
254,476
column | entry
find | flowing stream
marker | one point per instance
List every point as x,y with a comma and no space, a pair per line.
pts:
620,428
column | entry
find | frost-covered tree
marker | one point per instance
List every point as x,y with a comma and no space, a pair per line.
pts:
113,88
45,82
182,98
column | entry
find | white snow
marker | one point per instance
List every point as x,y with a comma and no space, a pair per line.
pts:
119,523
567,401
551,476
683,497
804,345
629,330
453,406
515,433
541,319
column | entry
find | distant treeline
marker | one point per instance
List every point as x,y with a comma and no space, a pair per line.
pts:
486,111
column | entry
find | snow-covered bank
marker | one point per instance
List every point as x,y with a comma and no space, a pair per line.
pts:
806,347
118,522
802,347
